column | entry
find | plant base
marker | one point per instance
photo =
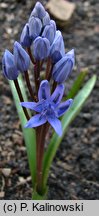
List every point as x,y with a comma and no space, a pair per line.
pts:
37,196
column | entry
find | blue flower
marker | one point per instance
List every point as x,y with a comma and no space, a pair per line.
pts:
49,107
57,50
35,27
46,19
38,11
41,48
52,22
25,39
63,67
8,64
22,59
49,32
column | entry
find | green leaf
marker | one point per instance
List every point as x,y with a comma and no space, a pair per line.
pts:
77,84
29,134
37,196
78,102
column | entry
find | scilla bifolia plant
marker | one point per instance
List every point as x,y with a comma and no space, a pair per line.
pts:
42,44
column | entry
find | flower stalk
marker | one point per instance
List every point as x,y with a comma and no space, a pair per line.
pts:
40,42
37,68
29,86
48,69
21,98
31,56
40,153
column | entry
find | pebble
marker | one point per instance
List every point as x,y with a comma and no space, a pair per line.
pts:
2,194
3,5
7,100
9,31
22,180
61,10
6,172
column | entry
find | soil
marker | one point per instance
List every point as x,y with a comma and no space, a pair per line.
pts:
74,173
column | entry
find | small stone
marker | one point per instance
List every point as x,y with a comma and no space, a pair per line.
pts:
61,10
3,5
9,31
22,180
23,148
2,194
7,100
10,18
6,172
86,4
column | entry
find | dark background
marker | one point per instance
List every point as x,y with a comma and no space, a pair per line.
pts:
75,171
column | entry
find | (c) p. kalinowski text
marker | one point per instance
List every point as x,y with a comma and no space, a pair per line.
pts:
49,207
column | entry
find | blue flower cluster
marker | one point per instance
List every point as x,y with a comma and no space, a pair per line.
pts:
48,107
40,33
45,43
14,63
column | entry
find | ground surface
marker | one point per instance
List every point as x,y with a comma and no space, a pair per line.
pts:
75,170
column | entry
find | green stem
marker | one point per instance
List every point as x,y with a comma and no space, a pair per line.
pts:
37,196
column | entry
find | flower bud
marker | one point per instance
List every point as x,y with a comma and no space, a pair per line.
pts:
33,13
46,20
25,39
22,59
63,67
8,65
71,55
52,22
49,33
57,50
35,27
38,11
41,47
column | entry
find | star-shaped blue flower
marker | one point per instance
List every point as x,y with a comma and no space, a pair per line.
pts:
49,107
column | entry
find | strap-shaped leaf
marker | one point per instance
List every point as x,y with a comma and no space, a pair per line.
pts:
29,134
77,84
78,102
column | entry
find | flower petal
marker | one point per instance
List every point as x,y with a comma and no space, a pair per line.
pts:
25,39
49,32
46,19
41,48
36,121
35,26
56,124
63,107
63,68
22,59
58,94
57,50
44,90
71,55
8,65
38,11
38,107
29,105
